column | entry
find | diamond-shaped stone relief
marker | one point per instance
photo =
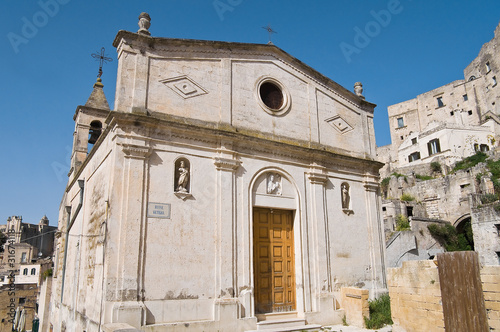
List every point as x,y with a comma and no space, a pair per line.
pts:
340,124
184,86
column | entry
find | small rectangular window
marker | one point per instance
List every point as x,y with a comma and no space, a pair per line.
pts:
465,97
401,123
498,256
469,112
414,141
23,257
440,101
484,148
414,156
494,78
409,211
402,138
488,68
497,226
476,147
22,300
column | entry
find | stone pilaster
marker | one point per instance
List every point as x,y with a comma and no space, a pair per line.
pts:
132,220
321,283
376,240
226,165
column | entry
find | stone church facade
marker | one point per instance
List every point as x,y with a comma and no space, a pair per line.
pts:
231,185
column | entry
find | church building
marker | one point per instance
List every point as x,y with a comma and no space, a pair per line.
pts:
232,186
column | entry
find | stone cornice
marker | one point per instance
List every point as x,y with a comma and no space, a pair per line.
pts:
254,141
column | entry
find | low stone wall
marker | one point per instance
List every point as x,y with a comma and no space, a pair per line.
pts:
490,278
415,297
355,303
415,293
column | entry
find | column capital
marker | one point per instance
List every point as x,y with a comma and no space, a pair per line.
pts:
136,151
317,174
225,164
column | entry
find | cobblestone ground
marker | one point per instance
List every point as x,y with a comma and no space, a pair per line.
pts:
342,328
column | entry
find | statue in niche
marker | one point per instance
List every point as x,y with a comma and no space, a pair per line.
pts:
346,198
183,178
274,184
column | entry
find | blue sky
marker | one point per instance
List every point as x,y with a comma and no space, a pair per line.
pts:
409,47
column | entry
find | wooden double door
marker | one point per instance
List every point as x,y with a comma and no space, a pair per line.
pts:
274,264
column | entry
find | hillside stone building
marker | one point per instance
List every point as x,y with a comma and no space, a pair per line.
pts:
232,185
449,122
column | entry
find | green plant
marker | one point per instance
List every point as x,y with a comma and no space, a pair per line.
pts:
479,176
424,177
497,207
398,175
47,273
488,198
402,223
380,312
436,167
344,321
470,161
450,239
407,197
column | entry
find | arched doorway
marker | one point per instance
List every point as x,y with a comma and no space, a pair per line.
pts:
275,238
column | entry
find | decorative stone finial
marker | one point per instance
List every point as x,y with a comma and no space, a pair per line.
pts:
98,83
144,24
358,89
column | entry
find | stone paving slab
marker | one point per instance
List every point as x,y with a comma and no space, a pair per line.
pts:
342,328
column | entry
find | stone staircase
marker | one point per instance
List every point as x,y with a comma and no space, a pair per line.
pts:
284,322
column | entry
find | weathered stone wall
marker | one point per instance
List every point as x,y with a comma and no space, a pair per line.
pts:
355,303
444,198
486,234
490,277
416,302
416,297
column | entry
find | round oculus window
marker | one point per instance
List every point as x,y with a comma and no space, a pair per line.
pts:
272,96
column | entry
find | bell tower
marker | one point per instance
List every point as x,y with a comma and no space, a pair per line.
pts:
89,124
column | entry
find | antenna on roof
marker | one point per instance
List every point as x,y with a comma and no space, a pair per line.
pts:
271,31
102,60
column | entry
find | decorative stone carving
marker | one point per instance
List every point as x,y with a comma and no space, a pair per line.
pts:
226,164
136,151
182,176
144,24
340,124
346,198
358,89
184,86
317,174
274,184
